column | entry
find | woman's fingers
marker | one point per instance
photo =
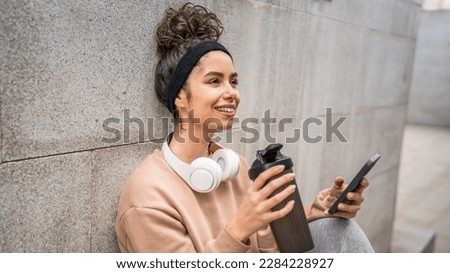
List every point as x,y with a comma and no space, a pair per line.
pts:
348,208
278,198
364,183
275,184
260,190
338,182
338,187
266,175
274,215
355,198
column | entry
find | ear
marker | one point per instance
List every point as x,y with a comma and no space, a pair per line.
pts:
181,99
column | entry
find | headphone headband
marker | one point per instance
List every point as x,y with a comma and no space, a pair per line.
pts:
204,174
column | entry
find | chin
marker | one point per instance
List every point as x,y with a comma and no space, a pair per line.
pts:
227,123
219,123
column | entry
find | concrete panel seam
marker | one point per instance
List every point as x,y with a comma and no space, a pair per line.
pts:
336,20
1,124
91,160
382,107
156,141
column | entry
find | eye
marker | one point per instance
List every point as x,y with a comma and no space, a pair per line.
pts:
214,81
234,82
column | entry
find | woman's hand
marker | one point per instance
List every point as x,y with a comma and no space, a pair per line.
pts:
326,198
255,211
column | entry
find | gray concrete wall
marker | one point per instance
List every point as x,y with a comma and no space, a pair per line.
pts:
69,65
429,101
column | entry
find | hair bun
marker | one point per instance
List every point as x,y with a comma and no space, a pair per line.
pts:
181,27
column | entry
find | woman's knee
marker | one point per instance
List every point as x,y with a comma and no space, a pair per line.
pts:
337,235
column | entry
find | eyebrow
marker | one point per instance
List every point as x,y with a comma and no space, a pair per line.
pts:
220,74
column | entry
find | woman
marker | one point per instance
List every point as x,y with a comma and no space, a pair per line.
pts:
170,203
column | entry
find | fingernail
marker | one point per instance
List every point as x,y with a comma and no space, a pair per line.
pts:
293,187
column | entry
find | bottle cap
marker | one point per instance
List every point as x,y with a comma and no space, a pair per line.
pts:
267,158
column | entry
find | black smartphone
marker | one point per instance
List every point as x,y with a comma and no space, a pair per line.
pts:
355,182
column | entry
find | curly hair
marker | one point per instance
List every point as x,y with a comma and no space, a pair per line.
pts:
181,28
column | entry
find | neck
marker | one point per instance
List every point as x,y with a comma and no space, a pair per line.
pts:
189,145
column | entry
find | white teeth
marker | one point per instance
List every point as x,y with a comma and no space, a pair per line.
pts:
225,109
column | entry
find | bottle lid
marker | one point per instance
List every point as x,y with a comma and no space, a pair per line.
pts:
267,158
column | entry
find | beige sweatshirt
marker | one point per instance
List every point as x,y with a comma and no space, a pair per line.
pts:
159,212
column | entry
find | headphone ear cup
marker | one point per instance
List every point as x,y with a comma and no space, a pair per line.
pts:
207,175
228,161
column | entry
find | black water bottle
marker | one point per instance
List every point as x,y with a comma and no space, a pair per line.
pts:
291,232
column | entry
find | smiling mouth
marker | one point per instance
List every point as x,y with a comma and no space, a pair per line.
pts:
225,109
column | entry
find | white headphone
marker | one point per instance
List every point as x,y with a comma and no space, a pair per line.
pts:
204,174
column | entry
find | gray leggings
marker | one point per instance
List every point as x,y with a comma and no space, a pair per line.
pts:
336,235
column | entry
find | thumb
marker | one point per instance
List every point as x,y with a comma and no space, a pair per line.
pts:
338,182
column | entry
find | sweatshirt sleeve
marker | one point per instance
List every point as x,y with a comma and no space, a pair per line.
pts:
266,240
152,230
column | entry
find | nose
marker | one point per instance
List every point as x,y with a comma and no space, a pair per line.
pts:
231,92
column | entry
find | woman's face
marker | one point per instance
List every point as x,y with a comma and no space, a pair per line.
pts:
213,95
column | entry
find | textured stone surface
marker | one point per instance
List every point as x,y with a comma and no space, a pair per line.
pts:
429,101
46,204
396,17
69,65
387,70
1,135
334,66
110,170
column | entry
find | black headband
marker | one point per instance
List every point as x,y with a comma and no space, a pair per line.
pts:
185,66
